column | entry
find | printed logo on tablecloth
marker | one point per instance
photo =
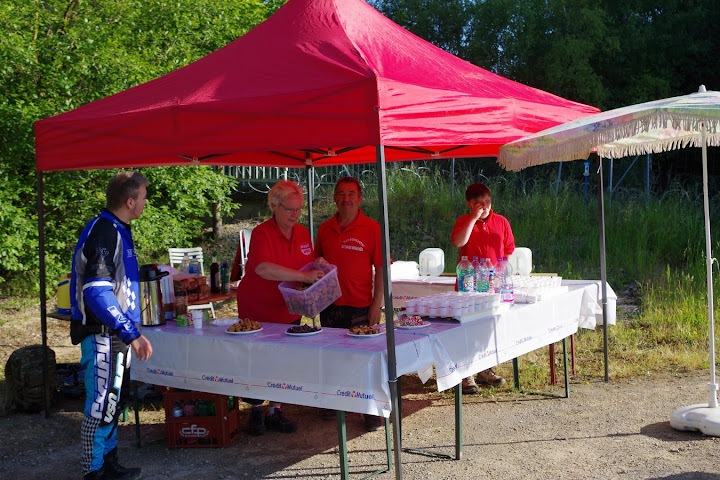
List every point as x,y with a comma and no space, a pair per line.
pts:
285,386
522,340
160,371
355,394
486,354
216,378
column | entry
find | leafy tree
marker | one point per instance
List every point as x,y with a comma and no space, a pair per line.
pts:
57,55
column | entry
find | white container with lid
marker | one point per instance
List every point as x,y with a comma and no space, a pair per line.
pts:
432,262
521,261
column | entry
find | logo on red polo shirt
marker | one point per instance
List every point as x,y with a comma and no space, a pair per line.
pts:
305,249
353,244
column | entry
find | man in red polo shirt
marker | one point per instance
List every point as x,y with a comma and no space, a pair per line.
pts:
351,241
482,233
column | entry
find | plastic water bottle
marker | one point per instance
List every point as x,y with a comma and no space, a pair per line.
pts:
476,271
465,275
491,276
507,290
185,264
499,274
481,282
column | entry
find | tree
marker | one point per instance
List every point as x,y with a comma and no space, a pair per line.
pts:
57,55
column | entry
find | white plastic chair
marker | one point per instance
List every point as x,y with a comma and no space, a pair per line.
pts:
194,253
245,243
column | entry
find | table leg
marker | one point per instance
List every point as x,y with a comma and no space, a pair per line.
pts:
565,362
553,374
458,421
572,353
342,441
388,446
516,373
137,415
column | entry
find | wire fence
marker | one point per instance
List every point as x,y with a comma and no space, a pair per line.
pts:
459,172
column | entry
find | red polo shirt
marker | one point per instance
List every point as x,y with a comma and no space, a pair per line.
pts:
260,299
491,238
354,251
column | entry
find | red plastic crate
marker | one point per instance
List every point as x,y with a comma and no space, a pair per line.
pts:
198,431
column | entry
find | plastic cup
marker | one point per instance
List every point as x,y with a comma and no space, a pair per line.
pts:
197,316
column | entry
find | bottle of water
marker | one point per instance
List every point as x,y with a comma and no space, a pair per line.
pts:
185,264
476,271
482,284
465,275
499,274
491,276
507,289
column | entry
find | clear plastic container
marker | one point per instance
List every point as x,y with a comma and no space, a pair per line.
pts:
317,297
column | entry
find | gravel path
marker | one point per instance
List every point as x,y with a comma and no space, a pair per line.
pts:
605,430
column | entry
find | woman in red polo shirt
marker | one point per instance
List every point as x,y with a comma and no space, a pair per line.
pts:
279,247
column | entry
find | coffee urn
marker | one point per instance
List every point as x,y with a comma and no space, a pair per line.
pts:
151,301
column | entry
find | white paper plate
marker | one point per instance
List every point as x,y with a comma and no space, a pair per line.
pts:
303,334
354,335
244,333
413,327
224,322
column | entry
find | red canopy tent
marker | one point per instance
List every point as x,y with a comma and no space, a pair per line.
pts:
321,82
325,80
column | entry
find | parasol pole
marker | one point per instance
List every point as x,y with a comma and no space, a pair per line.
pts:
712,386
389,330
701,416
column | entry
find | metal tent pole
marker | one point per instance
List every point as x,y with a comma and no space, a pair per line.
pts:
43,307
603,267
389,330
310,187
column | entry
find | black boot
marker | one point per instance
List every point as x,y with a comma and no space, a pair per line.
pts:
95,475
113,469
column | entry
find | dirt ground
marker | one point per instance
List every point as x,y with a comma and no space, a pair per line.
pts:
615,430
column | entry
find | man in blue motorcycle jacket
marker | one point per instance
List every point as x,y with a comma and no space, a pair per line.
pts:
105,303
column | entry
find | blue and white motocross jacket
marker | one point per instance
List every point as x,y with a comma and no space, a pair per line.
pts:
104,286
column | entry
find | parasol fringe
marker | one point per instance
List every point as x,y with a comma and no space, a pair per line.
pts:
616,141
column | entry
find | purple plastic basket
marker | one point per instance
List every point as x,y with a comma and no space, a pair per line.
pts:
317,297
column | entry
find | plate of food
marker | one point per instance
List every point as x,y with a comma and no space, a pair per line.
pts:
244,327
365,331
303,330
411,322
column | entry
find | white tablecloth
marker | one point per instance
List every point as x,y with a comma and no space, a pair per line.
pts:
329,370
461,350
334,370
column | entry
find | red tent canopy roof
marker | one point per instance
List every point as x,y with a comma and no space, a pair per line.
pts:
321,80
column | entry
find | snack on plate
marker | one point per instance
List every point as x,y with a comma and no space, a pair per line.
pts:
244,325
364,330
409,321
303,329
